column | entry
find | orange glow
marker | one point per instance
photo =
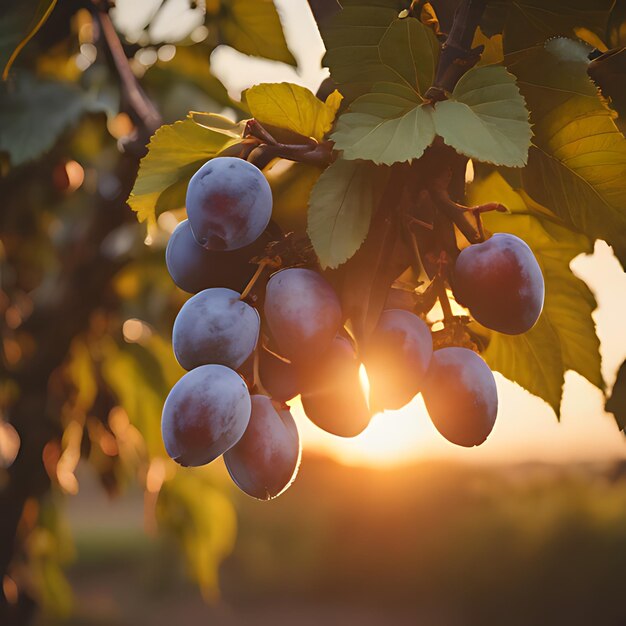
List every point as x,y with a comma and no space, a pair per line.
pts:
120,126
75,175
9,444
10,590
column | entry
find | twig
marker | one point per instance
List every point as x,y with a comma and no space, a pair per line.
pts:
457,55
140,105
309,151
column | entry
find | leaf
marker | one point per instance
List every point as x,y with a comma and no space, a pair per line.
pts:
363,282
577,164
387,126
352,39
293,107
530,22
80,371
34,113
203,522
532,360
616,404
565,336
493,52
19,21
141,381
219,123
340,208
486,118
253,27
175,152
291,185
390,124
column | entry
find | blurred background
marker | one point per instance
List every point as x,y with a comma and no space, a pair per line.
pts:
395,526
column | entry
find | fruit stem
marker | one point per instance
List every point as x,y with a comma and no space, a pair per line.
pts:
259,270
442,294
416,259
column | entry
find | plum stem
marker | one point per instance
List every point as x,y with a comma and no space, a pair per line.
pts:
257,274
442,294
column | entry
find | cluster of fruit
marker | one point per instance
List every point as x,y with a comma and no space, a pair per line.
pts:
301,347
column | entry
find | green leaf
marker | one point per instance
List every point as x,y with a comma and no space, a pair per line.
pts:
175,153
363,282
533,360
253,27
293,107
616,404
565,336
577,164
530,22
141,377
340,208
34,113
19,21
387,126
202,520
486,118
352,39
390,124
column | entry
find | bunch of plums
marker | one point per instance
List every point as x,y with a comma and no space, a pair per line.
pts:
305,349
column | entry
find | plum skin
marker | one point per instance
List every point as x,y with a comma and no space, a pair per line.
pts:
461,396
397,356
303,313
215,326
264,462
229,204
332,397
501,284
279,378
194,268
205,414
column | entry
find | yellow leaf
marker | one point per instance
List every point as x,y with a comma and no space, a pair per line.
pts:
494,49
175,153
293,107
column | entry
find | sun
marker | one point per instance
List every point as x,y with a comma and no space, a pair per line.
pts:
392,438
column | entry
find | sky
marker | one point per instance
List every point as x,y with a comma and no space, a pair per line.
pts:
526,428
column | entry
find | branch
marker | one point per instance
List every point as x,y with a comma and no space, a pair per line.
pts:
268,149
141,108
457,55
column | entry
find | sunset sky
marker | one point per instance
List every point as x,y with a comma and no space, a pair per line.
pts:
526,428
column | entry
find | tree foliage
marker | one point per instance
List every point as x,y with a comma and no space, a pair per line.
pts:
373,175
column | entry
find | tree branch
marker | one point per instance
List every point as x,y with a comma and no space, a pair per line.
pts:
457,55
141,108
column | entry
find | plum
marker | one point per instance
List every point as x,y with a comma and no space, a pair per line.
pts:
303,313
205,414
193,268
461,396
501,284
229,203
397,355
279,378
215,326
265,460
332,396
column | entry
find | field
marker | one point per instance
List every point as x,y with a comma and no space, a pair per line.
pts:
428,544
